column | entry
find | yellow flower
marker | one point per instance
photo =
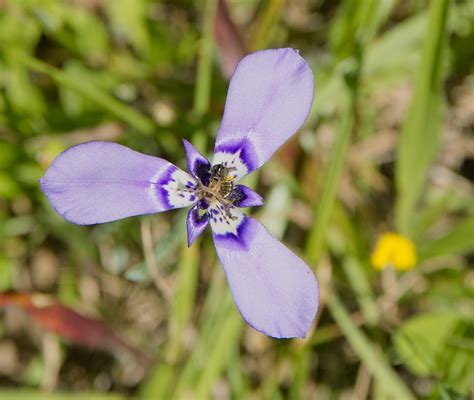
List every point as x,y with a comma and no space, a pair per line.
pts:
394,250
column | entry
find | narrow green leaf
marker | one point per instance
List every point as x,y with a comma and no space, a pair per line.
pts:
325,205
139,121
218,353
220,329
159,383
265,23
374,361
301,366
420,134
202,92
361,286
187,280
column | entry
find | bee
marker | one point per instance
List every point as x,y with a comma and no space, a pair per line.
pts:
221,182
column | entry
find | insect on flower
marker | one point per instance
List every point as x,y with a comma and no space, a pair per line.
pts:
268,100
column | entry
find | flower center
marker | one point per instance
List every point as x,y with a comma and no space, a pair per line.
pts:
220,188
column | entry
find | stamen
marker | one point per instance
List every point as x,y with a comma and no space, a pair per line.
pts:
219,188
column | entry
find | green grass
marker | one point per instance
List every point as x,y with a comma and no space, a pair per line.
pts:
420,134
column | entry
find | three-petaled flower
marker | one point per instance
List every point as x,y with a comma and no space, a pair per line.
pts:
269,98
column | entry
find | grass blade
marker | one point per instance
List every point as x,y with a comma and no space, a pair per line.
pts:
372,359
421,131
317,235
130,116
202,93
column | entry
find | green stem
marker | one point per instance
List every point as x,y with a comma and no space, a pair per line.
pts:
202,93
324,208
266,22
420,135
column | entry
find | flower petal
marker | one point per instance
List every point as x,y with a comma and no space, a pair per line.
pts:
243,196
98,182
239,157
197,220
269,98
274,290
225,222
198,165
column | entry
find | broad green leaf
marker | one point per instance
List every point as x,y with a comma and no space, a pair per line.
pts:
18,29
9,187
459,240
440,345
398,49
128,20
23,96
90,34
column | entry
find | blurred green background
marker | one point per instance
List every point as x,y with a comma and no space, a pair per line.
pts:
388,146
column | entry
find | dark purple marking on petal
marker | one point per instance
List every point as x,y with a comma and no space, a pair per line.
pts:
237,241
202,204
243,196
198,165
247,152
196,222
97,182
202,172
171,189
165,179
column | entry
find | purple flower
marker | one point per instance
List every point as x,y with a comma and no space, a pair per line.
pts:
269,98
